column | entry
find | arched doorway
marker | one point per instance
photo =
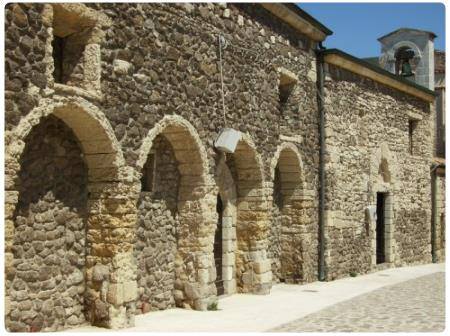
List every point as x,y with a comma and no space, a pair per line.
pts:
175,263
286,242
57,173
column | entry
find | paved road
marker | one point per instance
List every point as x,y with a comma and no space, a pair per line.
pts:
415,305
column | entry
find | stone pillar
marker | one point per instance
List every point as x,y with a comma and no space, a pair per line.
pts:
195,269
110,266
11,198
252,232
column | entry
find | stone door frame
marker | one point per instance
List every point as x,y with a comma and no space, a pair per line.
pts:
227,192
383,179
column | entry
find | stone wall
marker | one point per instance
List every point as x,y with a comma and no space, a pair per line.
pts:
156,242
367,151
47,283
440,220
148,81
148,69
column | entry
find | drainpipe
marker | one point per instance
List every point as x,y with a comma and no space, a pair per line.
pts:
434,168
321,108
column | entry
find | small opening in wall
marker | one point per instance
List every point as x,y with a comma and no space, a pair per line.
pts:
71,31
285,91
148,176
58,56
381,228
287,82
412,126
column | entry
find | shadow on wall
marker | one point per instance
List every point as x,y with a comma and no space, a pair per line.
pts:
50,232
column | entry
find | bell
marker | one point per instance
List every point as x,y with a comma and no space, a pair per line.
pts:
406,69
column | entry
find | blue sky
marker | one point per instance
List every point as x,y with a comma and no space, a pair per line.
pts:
356,26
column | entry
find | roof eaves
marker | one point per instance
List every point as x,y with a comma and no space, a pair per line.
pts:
299,20
380,71
431,34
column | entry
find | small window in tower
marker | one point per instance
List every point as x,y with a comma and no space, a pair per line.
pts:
287,82
412,126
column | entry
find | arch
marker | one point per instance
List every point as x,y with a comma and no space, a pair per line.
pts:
102,151
290,164
407,44
108,208
195,210
286,249
188,148
253,272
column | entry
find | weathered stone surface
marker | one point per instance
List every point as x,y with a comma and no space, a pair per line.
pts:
52,192
86,240
367,139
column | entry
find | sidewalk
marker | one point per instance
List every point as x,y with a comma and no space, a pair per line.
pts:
285,303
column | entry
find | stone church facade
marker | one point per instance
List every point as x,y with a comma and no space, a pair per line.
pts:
117,202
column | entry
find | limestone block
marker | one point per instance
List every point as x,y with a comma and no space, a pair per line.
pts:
262,266
263,278
129,291
204,261
228,259
230,287
227,273
192,291
203,276
115,294
122,67
100,272
178,295
248,278
118,317
228,245
228,233
11,196
201,304
9,210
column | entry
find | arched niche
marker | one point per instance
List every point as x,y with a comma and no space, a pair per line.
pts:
194,216
286,228
76,134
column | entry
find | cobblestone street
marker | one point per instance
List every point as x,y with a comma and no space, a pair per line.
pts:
412,306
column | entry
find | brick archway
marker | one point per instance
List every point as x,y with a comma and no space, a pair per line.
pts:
194,266
253,273
286,248
109,214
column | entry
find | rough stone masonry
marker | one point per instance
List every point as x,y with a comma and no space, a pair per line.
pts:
112,179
